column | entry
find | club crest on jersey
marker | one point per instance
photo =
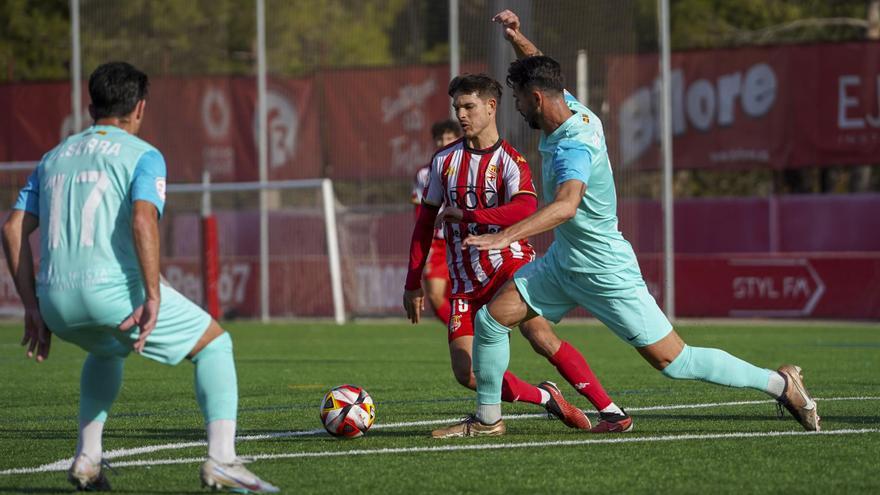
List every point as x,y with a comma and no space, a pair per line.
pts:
586,118
491,172
454,323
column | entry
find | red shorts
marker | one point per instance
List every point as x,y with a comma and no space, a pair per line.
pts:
436,267
461,322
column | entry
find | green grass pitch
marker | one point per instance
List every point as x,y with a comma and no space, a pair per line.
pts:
284,370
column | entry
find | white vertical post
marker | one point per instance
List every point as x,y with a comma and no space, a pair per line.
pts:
206,194
454,55
263,149
666,148
75,68
583,78
329,201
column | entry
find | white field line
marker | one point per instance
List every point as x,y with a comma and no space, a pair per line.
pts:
63,464
491,446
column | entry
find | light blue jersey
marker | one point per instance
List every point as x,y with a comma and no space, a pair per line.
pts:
83,193
590,242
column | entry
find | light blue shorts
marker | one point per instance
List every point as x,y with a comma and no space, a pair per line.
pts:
620,300
89,318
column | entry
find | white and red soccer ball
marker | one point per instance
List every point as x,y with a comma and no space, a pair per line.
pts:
347,411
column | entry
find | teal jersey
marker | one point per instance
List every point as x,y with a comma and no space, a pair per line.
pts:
590,242
83,193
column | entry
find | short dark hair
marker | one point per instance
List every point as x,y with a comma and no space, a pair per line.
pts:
538,72
481,84
443,126
116,88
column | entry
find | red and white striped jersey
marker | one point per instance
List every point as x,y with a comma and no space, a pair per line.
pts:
474,180
419,185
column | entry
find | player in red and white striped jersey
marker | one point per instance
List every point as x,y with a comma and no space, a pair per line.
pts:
436,274
475,180
485,185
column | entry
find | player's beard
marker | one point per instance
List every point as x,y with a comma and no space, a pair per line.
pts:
531,118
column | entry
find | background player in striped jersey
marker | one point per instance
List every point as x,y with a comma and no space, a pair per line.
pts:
485,185
590,264
436,275
96,199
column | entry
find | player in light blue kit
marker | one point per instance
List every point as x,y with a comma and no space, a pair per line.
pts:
590,264
97,198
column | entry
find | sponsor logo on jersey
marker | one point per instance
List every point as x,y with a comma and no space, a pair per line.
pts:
520,159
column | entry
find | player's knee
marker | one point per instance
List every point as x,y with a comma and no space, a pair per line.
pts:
678,368
222,344
491,330
436,299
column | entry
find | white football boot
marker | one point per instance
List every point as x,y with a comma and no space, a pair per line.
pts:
233,477
87,475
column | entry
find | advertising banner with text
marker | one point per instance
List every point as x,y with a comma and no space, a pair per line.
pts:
780,107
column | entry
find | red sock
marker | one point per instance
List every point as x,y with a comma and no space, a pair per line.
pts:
574,368
444,312
514,389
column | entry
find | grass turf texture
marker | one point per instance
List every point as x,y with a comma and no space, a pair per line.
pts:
284,370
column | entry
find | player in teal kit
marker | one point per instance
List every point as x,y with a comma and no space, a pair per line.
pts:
590,264
97,198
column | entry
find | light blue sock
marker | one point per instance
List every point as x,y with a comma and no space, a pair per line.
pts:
491,356
719,367
99,385
216,383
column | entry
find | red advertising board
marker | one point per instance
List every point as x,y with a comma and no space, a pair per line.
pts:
380,119
781,107
198,124
814,285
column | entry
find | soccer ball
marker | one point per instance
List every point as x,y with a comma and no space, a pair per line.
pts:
347,411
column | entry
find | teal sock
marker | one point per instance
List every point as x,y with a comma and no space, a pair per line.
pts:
719,367
491,356
216,383
99,385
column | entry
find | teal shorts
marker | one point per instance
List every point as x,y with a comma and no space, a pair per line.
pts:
89,318
620,300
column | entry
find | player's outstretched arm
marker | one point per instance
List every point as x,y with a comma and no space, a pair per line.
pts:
520,207
145,230
562,209
521,45
20,261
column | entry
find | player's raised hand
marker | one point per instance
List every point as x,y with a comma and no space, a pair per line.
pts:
486,242
510,22
450,214
414,304
144,317
36,336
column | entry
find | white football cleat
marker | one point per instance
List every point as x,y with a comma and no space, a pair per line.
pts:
87,475
233,477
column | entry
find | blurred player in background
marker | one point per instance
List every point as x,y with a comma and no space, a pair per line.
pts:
590,264
484,184
96,199
436,276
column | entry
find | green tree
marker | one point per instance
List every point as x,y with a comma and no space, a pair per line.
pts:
34,39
